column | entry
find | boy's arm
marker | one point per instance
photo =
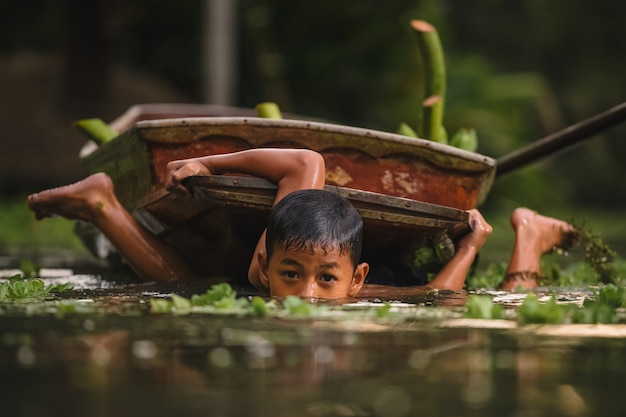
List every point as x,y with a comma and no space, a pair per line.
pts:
452,275
289,169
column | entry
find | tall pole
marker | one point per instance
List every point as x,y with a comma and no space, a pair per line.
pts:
220,51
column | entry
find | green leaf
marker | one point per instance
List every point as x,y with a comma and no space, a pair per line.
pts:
533,311
215,296
4,290
297,307
259,307
160,305
58,288
406,130
180,305
29,269
611,295
383,312
465,139
268,110
96,130
482,307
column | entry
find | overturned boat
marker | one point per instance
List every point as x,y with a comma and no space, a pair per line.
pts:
409,191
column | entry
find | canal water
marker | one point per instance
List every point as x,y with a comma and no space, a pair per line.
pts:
100,351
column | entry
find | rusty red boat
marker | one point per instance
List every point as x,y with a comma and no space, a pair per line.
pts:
407,190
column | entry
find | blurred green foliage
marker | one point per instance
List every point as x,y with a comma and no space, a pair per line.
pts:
19,230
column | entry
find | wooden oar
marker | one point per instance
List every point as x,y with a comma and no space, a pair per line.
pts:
561,140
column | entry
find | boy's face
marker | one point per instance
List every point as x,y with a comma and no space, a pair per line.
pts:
311,273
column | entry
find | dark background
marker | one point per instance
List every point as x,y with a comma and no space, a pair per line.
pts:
517,71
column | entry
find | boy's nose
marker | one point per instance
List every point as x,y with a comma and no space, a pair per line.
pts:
308,290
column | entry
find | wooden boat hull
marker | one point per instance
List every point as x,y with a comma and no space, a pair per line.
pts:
357,158
407,190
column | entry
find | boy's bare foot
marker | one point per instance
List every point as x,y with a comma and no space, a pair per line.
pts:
540,232
75,201
534,235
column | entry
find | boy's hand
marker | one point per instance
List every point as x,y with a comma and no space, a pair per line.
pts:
177,171
481,230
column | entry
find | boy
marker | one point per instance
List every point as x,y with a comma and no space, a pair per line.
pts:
312,245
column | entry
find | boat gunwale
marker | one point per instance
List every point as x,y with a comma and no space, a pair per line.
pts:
374,207
143,129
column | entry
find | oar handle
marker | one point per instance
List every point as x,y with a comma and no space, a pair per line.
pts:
561,139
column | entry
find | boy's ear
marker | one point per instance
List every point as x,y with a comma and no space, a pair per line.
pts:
263,274
358,279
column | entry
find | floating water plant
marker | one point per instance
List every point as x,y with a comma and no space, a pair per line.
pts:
482,307
597,254
219,299
601,308
533,311
19,287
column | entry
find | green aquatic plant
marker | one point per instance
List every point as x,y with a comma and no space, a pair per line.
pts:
161,305
222,299
601,307
300,308
594,312
489,278
533,311
482,307
29,269
383,312
21,287
260,307
221,296
597,254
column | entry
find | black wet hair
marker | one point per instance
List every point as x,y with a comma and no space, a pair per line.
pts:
308,219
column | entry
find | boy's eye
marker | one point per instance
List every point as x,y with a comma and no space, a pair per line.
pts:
290,274
327,278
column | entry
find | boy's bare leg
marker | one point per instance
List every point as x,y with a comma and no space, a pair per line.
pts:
534,235
93,200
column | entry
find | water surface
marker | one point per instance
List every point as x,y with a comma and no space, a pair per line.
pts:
109,356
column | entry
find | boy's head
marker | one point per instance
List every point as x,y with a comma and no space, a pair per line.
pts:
313,245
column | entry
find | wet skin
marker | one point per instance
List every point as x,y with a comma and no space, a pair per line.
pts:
534,235
313,273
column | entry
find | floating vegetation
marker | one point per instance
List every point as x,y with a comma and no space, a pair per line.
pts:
598,305
597,254
533,311
222,299
489,278
482,307
601,308
24,286
597,266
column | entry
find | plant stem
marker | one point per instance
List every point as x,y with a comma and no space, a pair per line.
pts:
96,130
433,79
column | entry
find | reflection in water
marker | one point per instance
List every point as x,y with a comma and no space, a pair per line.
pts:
122,361
229,366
